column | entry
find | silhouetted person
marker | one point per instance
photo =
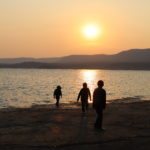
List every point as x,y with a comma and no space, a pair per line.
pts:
84,94
99,104
57,95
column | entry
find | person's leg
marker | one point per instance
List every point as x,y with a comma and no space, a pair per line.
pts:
87,105
98,122
83,106
57,102
97,119
100,118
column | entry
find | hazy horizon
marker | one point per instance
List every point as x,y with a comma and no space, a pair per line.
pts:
74,54
47,29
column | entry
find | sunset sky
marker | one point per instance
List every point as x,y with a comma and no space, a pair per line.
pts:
53,28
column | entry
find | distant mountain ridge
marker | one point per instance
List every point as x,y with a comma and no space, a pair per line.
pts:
128,56
26,59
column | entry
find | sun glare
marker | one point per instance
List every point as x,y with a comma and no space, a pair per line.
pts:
89,76
91,31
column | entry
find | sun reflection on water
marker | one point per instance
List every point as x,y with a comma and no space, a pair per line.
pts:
89,76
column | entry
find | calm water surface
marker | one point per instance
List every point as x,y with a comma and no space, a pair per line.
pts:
27,87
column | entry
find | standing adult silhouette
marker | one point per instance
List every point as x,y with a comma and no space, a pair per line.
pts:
84,94
99,104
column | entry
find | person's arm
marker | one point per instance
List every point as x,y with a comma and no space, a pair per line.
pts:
61,94
54,94
79,95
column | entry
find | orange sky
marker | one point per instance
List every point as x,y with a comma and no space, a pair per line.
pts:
36,28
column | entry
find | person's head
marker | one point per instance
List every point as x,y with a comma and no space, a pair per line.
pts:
100,83
58,87
84,85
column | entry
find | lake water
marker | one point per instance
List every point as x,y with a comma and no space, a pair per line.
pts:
27,87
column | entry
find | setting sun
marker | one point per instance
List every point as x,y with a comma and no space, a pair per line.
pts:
91,31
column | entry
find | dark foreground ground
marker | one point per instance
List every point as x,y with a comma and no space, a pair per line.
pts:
127,127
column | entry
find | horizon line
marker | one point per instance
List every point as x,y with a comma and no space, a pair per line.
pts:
73,54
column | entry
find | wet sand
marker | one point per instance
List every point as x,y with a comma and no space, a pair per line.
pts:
44,128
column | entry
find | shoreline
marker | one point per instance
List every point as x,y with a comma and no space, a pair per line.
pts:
127,126
74,105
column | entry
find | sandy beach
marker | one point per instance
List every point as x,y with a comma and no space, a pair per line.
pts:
127,127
